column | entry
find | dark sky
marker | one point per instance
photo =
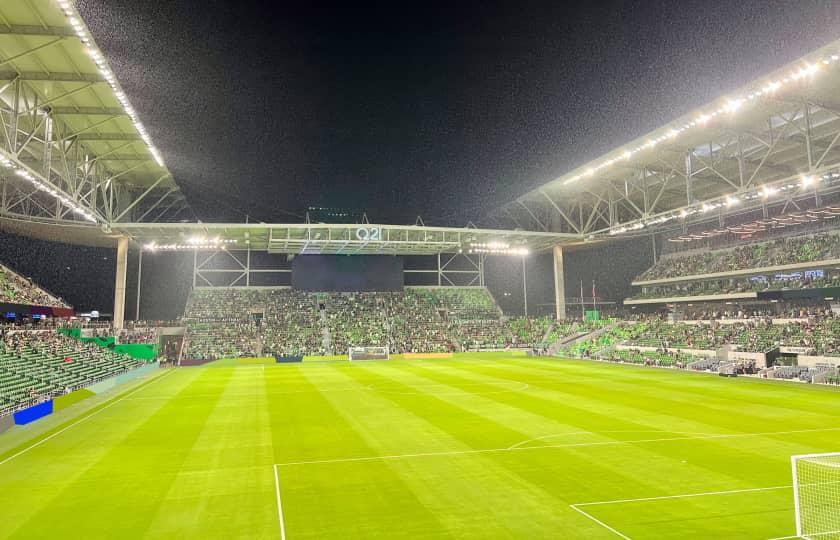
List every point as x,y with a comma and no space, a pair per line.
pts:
442,110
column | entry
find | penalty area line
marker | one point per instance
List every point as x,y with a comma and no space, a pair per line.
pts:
598,521
684,496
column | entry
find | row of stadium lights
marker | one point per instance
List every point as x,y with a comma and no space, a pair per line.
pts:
731,106
201,242
86,39
193,242
765,192
26,175
496,248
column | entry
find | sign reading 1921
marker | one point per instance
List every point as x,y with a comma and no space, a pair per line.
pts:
368,234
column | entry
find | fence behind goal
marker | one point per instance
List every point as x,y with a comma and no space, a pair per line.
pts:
816,492
368,353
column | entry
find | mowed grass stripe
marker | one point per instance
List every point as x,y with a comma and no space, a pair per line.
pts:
556,479
707,413
130,479
536,468
227,469
471,494
751,454
748,460
743,392
680,466
735,462
317,502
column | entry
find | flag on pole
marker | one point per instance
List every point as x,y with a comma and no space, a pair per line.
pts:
582,304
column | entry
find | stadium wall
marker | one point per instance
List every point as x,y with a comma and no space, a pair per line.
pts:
814,361
113,382
138,351
692,352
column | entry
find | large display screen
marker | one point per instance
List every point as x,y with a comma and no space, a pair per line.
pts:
347,273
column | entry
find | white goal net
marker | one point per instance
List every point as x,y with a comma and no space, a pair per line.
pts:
816,492
368,353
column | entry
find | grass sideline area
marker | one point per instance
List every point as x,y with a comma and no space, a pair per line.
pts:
66,400
481,446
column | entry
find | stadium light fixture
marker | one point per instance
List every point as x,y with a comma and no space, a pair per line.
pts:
732,105
41,186
497,248
768,191
76,22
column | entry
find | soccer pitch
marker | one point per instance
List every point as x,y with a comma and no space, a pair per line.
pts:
493,446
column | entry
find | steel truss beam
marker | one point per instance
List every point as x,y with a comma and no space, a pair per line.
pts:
798,137
35,138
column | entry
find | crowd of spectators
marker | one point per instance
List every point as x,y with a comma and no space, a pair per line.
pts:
36,365
783,251
138,334
243,322
814,336
795,281
15,289
799,309
291,324
415,324
356,319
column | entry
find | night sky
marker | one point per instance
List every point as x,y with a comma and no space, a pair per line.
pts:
442,110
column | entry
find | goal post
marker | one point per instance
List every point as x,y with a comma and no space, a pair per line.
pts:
368,353
816,495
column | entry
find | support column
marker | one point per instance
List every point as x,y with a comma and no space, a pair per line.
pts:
139,276
524,285
119,285
248,267
559,284
653,246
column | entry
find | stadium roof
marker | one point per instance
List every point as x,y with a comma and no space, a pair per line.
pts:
328,238
73,148
740,150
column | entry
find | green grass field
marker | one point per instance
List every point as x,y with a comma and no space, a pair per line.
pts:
475,447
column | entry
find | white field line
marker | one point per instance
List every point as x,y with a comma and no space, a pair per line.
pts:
279,505
683,496
521,387
599,522
77,422
191,396
538,447
809,536
553,435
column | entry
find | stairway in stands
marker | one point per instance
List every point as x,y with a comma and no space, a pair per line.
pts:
325,330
